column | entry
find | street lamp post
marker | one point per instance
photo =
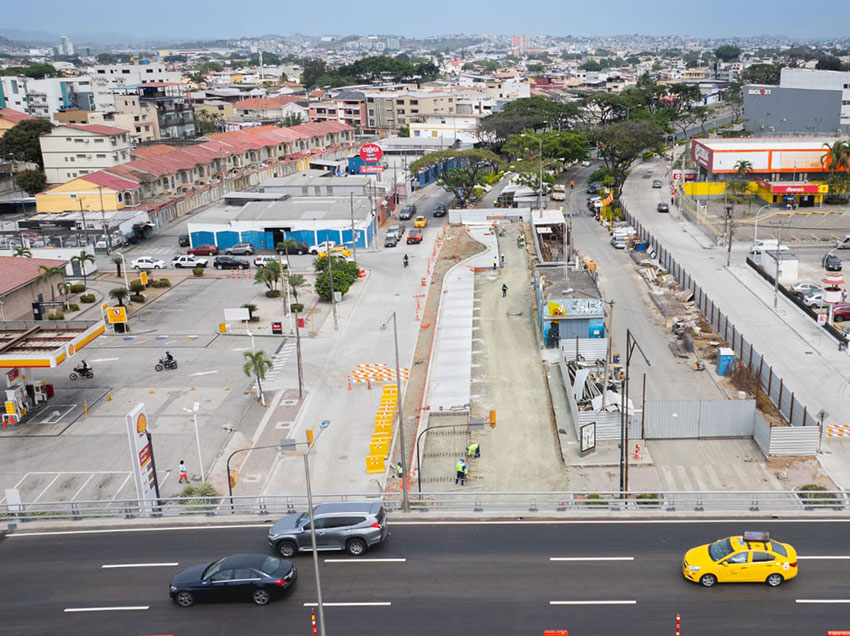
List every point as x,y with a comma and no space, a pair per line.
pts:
124,267
322,426
194,412
404,476
777,255
756,221
227,465
631,343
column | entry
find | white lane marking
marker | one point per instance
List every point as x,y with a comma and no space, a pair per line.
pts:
56,533
105,359
203,373
121,487
85,483
364,604
822,558
242,349
365,560
577,522
591,558
46,487
125,608
592,602
825,601
139,565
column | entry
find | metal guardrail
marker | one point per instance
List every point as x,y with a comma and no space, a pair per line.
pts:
447,503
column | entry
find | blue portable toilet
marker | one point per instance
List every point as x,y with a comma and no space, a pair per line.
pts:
725,361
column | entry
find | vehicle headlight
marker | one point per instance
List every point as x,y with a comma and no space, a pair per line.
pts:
173,588
694,568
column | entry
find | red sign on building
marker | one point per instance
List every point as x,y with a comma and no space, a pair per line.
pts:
371,153
371,169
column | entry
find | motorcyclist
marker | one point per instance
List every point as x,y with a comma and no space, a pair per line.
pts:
405,260
85,367
168,357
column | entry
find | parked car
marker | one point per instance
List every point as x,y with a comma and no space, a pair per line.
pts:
407,212
204,249
298,247
324,246
619,242
813,298
656,183
351,526
843,243
440,210
229,262
148,262
242,249
592,188
183,240
663,207
255,577
586,163
262,259
831,262
803,287
188,260
391,239
415,237
420,221
398,228
841,313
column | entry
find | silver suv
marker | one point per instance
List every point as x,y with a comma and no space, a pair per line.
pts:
353,527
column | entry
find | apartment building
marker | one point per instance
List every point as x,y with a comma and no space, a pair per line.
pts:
139,120
348,107
271,109
175,115
389,111
73,150
41,98
106,78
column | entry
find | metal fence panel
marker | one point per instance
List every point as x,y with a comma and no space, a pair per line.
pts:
607,424
774,384
794,440
761,433
587,348
726,418
671,420
786,403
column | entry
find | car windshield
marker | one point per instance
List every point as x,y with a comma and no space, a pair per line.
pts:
720,549
213,568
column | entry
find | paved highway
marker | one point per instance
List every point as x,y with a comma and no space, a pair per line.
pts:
429,578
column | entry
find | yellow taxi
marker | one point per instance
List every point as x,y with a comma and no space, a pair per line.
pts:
749,558
420,221
339,251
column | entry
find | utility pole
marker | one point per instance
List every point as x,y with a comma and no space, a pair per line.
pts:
608,355
103,218
83,214
329,256
782,224
729,232
353,234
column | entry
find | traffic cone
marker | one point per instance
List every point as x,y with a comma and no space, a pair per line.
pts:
417,314
108,396
637,452
349,383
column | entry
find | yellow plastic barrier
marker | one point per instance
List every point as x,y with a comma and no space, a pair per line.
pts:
375,464
384,427
381,448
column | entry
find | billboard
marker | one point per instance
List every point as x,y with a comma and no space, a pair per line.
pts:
371,153
141,457
371,169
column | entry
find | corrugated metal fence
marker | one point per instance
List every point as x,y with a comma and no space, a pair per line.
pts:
714,418
782,396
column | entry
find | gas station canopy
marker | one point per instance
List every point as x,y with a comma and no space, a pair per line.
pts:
30,344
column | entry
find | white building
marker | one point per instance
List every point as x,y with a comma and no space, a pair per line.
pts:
108,77
820,80
73,150
66,47
44,97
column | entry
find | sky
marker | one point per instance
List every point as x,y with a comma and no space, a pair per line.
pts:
196,19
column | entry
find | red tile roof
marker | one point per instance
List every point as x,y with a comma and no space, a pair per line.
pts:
14,116
17,271
262,103
111,181
96,129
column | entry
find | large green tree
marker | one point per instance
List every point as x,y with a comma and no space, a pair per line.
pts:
31,181
727,52
256,364
836,160
761,74
622,143
466,178
21,142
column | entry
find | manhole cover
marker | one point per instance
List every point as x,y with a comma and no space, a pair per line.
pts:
288,402
283,425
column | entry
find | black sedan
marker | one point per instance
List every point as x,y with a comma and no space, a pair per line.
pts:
439,210
831,262
239,577
228,262
592,188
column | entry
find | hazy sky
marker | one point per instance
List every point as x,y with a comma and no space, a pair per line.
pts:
226,18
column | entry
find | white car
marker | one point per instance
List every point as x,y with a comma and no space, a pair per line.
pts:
813,299
586,163
188,260
324,246
147,262
262,259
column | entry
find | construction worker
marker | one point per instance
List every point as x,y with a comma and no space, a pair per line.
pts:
399,471
495,262
473,450
460,475
504,289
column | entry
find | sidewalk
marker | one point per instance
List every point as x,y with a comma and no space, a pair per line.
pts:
808,362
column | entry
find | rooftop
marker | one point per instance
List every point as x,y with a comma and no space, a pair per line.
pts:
14,116
772,143
17,271
306,209
96,129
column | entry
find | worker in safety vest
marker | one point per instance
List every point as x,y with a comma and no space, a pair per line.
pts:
399,470
460,467
473,450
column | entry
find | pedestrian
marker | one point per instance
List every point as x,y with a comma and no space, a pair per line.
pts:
495,263
502,261
504,289
460,469
181,471
399,471
473,450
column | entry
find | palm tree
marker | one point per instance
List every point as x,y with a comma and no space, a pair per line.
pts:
837,161
64,288
83,258
256,364
118,261
269,275
47,275
23,251
295,281
742,167
119,295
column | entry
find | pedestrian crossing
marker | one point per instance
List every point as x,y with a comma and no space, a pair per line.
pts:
280,359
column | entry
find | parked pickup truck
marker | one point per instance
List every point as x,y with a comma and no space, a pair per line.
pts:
188,260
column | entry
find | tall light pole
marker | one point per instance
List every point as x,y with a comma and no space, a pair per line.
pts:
631,343
540,160
756,221
312,442
777,255
194,412
124,267
353,234
404,476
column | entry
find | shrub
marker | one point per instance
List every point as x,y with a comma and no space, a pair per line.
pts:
814,495
74,307
647,154
87,298
137,286
137,298
297,307
164,282
251,307
254,318
198,271
594,499
199,497
342,282
56,316
273,293
155,283
648,499
76,288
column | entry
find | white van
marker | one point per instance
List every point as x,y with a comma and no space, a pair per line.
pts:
766,245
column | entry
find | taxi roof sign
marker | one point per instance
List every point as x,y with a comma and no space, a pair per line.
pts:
756,536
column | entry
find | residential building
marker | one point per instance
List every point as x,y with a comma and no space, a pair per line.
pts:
140,121
41,98
73,150
175,115
66,47
348,107
389,111
106,78
10,118
806,101
271,109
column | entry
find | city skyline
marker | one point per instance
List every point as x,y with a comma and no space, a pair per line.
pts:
218,20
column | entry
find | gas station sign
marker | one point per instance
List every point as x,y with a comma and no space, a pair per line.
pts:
117,314
140,451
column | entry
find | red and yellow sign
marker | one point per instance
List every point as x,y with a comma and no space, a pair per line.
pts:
117,314
141,423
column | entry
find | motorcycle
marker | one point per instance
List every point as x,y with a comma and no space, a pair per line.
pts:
164,363
81,372
405,260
